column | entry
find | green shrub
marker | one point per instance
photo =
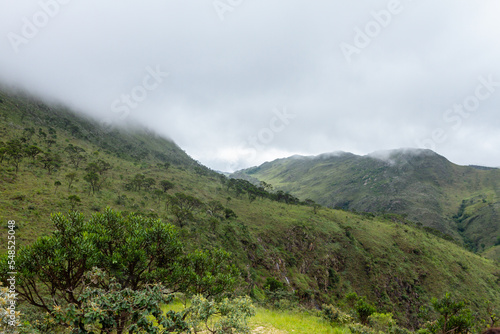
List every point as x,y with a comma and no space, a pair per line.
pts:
335,316
364,309
382,322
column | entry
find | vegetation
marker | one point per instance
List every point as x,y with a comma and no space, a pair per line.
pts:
461,202
234,237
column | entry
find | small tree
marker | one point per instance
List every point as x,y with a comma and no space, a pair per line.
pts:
57,184
50,161
166,185
32,151
183,207
452,316
70,177
76,155
74,200
92,178
15,153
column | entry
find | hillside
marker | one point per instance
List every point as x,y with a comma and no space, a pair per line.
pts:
460,201
318,255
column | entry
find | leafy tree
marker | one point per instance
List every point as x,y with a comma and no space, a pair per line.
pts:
183,206
73,201
166,185
137,182
28,133
50,161
148,183
41,135
95,176
15,152
76,155
215,208
141,263
313,204
70,177
208,273
32,151
453,316
57,184
3,151
364,309
93,179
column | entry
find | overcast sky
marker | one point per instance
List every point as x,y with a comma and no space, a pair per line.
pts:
236,83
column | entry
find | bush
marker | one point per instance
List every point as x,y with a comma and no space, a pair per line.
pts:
220,317
364,310
382,322
335,316
360,329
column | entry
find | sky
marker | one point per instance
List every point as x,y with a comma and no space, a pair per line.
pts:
236,83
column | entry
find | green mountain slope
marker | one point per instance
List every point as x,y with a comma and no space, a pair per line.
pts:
462,202
319,257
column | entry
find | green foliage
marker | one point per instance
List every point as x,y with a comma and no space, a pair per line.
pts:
50,161
364,309
452,316
382,322
133,252
224,317
208,273
106,306
183,207
166,185
335,316
9,316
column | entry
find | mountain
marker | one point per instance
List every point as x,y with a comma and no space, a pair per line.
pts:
460,201
319,255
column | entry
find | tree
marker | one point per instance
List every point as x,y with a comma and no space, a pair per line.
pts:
15,152
32,151
166,185
70,177
57,184
73,201
50,161
3,151
148,183
183,206
76,155
92,178
140,263
28,133
453,316
137,182
95,176
220,317
215,208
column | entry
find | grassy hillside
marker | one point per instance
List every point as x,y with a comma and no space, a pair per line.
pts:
319,256
462,202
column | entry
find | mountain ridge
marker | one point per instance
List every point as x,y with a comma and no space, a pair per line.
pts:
419,183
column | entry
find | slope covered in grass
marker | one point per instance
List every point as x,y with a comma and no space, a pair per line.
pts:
317,256
462,202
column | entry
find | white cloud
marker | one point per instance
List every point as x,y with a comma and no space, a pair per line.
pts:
227,76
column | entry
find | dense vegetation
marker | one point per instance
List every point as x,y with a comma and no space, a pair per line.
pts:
462,202
109,215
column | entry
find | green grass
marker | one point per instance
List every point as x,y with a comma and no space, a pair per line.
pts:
276,321
426,187
399,267
293,322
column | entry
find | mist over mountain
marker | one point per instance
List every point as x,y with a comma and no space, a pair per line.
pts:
461,201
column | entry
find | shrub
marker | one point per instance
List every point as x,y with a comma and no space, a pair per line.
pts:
364,309
335,316
382,322
220,317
